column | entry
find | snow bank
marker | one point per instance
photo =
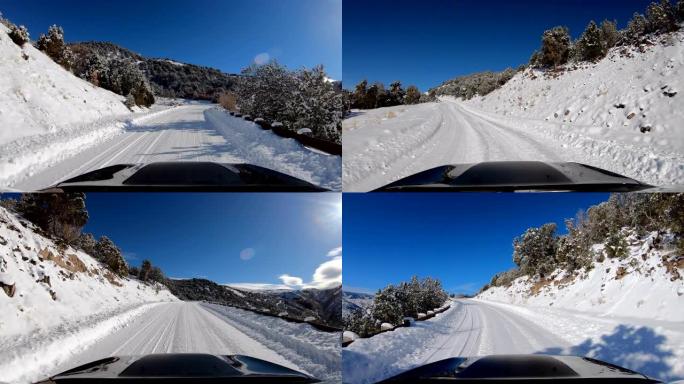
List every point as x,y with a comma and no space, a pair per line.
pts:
263,148
315,351
63,300
638,286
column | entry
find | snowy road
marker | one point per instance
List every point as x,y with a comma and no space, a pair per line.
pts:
184,327
193,132
468,328
176,327
474,327
384,145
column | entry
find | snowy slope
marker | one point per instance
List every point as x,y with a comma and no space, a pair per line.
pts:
598,99
63,300
37,96
646,290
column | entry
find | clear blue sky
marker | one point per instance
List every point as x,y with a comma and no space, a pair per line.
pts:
203,235
429,41
461,238
223,34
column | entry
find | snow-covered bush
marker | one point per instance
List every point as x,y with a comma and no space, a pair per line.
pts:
124,78
19,35
469,86
616,245
53,45
109,254
299,99
610,36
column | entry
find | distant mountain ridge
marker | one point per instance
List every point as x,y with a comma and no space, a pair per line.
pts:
324,305
168,78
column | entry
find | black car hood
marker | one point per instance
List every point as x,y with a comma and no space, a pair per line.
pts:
182,368
520,368
516,176
185,176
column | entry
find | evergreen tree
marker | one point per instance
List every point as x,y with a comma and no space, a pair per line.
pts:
145,270
534,252
660,18
108,253
609,34
61,215
555,47
53,45
590,46
636,28
412,95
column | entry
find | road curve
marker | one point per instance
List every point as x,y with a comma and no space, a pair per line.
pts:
379,149
468,328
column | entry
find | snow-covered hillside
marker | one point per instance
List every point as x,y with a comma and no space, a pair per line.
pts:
56,301
640,285
38,96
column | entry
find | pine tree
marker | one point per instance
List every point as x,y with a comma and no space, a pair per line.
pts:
145,270
636,28
609,34
412,95
61,215
108,253
660,18
54,46
590,46
555,47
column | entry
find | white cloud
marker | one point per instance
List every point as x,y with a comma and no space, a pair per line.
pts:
262,58
328,274
247,253
335,252
291,280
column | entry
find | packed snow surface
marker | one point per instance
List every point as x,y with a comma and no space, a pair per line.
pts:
592,114
63,300
191,131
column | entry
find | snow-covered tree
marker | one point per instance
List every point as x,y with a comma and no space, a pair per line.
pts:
661,17
387,308
108,253
555,46
145,270
534,252
412,95
54,46
636,28
60,215
609,34
590,46
19,35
